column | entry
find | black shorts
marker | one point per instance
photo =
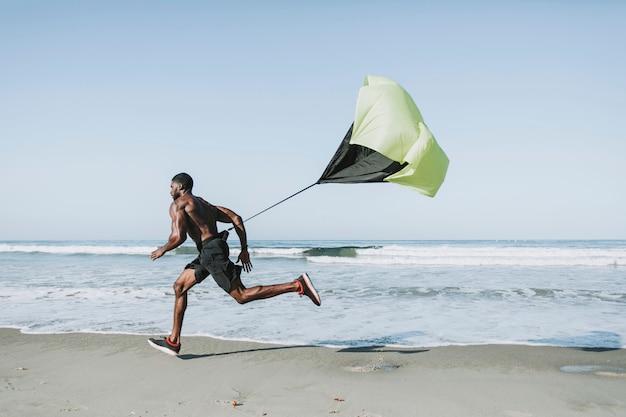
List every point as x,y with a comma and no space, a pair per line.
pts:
213,260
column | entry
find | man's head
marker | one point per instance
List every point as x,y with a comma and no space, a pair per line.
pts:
181,183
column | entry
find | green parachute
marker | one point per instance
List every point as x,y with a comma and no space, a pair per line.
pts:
388,141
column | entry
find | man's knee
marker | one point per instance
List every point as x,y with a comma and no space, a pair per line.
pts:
179,288
186,280
240,296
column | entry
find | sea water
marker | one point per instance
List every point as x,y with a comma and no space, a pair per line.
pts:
393,293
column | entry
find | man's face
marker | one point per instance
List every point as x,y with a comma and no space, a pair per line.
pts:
175,190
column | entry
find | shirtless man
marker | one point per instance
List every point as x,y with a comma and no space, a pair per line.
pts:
192,215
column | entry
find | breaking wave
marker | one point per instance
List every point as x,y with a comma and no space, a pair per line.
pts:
423,253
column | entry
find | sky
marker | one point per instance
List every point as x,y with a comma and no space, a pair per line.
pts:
102,103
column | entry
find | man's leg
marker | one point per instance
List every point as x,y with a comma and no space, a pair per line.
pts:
185,281
245,295
302,285
171,344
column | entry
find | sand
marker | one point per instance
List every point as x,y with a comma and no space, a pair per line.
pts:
121,375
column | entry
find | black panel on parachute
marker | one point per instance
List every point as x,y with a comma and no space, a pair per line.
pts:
356,164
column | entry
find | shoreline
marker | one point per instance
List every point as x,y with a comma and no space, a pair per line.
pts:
91,374
335,347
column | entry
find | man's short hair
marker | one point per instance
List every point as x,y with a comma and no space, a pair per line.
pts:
185,180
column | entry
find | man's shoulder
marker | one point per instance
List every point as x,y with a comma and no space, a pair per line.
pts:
182,201
187,198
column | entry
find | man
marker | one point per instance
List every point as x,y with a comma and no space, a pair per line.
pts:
192,215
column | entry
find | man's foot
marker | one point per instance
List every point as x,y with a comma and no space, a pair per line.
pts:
165,346
306,288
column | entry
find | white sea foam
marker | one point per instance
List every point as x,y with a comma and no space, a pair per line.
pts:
67,249
480,256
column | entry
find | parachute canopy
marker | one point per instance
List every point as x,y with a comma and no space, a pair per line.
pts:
388,141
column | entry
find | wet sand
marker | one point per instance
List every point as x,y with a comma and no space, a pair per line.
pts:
121,375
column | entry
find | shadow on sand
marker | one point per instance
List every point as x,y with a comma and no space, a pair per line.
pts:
362,349
236,352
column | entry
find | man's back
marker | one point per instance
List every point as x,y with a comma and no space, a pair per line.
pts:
199,215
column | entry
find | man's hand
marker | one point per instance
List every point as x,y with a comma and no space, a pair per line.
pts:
244,257
157,253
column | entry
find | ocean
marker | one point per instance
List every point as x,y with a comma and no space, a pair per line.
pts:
374,293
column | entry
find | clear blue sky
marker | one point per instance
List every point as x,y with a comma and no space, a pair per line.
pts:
101,103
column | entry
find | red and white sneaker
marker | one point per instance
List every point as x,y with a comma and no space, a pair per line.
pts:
165,346
307,288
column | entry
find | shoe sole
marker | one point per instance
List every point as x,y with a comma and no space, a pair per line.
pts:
314,296
162,349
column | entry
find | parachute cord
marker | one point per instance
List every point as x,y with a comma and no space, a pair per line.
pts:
274,205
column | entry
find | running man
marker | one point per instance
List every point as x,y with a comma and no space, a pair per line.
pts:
192,215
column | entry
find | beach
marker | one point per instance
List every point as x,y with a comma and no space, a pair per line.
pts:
407,328
83,374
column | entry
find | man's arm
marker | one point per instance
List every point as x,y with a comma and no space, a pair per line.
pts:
178,234
226,215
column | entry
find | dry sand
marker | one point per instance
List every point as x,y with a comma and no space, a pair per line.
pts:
119,375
